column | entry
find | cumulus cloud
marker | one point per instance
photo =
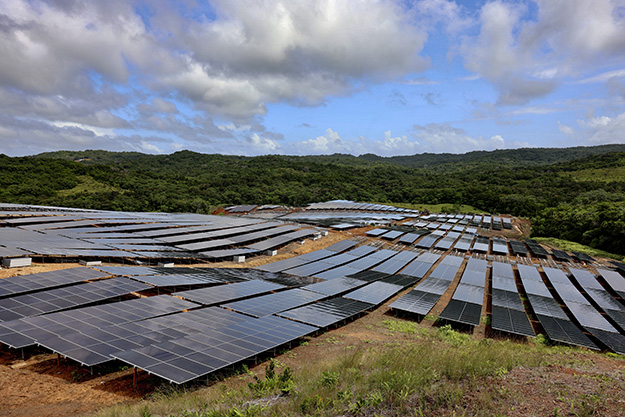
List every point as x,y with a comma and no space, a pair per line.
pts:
527,57
433,137
436,137
254,53
596,130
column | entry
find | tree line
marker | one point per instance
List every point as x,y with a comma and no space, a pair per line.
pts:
560,196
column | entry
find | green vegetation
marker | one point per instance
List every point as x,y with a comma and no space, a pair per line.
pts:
577,247
576,194
422,372
441,208
87,185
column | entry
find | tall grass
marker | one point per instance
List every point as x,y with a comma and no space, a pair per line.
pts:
422,373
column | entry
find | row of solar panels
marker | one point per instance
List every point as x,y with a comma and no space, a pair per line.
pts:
496,222
606,324
350,205
464,241
87,236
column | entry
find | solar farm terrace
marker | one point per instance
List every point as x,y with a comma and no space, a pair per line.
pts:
182,296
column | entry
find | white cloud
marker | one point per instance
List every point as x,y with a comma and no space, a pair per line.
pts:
603,77
527,57
262,145
597,130
435,137
330,143
255,53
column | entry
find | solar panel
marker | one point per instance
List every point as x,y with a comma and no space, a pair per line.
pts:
508,313
592,287
201,238
518,248
481,244
45,280
401,280
375,292
551,316
7,252
465,242
314,268
327,312
265,305
67,297
341,246
297,261
172,280
181,360
87,320
583,257
560,255
614,280
420,266
376,232
536,248
425,295
224,293
392,234
396,263
336,286
465,305
283,239
584,312
500,246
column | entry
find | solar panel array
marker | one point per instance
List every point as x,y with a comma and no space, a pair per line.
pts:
536,249
519,248
229,292
46,280
57,299
508,313
425,295
465,242
224,339
327,312
587,315
481,244
86,321
465,305
266,305
429,240
601,297
553,319
149,236
615,281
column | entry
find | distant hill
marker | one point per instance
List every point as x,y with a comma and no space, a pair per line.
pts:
506,157
576,194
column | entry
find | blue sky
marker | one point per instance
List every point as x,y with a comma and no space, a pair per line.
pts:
253,77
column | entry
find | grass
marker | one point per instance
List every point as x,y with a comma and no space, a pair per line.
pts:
567,245
87,185
601,174
440,208
423,371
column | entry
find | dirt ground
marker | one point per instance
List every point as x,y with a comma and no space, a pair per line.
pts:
40,385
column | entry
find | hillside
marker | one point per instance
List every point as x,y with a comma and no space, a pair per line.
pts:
576,194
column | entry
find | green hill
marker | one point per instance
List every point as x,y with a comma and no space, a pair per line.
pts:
576,194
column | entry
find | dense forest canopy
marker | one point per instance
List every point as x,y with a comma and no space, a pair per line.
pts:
574,193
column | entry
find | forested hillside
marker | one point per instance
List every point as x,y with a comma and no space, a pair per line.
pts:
576,193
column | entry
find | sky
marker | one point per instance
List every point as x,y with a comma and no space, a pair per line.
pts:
303,77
